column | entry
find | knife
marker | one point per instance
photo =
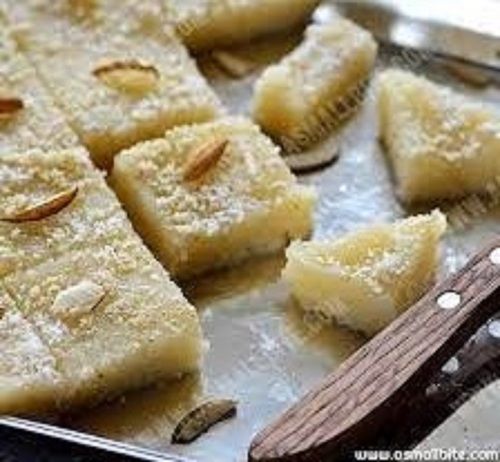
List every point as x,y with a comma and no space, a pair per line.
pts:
470,43
366,397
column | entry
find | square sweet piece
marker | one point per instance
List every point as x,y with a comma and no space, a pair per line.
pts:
29,118
34,185
206,24
29,379
441,144
111,318
317,86
366,279
105,308
210,195
117,82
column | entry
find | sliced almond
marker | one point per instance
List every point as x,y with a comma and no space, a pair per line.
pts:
201,159
311,161
78,300
200,419
233,65
10,104
43,209
130,76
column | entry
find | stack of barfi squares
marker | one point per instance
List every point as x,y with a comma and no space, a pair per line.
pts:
86,311
88,88
77,280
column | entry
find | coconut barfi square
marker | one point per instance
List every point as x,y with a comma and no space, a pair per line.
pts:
29,119
367,278
98,299
29,379
111,318
206,24
441,145
210,195
117,82
312,90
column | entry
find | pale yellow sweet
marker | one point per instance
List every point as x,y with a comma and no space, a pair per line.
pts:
247,204
100,302
69,45
365,279
28,179
305,96
441,144
29,379
142,331
40,124
205,24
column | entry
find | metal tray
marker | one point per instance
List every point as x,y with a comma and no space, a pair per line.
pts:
262,351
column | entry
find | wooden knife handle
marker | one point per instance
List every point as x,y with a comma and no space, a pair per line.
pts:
346,411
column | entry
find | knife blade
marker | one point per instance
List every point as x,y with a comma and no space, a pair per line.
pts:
435,36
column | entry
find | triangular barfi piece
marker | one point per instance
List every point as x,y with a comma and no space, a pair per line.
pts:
441,144
365,279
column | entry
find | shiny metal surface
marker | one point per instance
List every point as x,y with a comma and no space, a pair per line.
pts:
467,31
113,448
474,426
263,351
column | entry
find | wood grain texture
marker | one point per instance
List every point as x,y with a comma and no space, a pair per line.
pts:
346,411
